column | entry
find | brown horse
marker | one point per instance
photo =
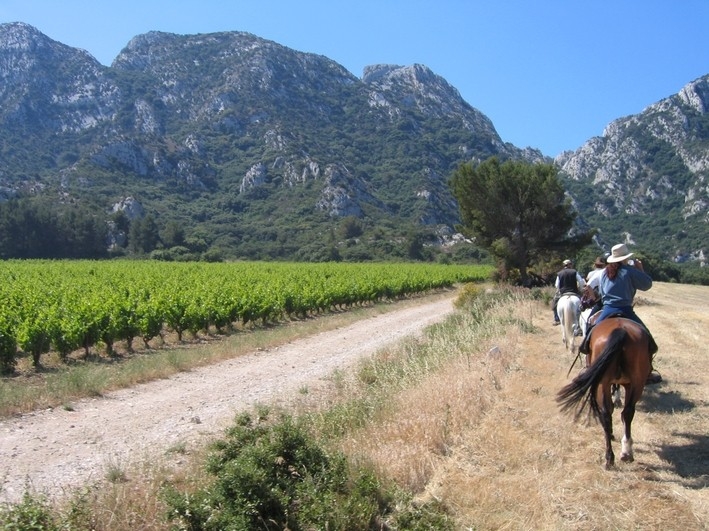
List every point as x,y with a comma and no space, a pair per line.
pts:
619,355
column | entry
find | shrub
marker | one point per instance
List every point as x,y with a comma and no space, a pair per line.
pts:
468,293
34,513
30,514
275,476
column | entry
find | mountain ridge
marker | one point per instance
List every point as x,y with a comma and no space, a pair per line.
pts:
262,151
642,165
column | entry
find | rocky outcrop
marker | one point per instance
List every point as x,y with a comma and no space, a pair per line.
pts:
343,195
130,207
652,164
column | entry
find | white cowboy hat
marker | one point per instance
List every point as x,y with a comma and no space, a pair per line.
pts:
619,253
567,262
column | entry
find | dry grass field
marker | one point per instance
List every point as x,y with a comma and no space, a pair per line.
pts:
508,459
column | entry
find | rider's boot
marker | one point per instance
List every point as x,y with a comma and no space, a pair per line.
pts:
652,346
584,347
654,376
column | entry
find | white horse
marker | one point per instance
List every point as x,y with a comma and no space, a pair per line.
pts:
569,310
583,320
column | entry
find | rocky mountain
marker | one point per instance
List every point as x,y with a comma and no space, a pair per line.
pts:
646,179
251,147
232,142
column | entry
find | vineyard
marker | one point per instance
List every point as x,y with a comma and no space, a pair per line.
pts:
67,306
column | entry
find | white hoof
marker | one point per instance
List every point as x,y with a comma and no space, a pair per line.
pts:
626,451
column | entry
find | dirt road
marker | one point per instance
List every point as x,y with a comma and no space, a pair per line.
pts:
57,449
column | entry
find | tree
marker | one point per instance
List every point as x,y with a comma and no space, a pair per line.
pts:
173,234
516,210
143,236
41,229
350,227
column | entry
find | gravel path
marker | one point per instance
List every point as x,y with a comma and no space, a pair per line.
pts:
55,450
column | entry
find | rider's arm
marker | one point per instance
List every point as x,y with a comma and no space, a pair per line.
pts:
641,280
580,281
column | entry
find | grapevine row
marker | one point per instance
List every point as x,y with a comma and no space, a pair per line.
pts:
69,305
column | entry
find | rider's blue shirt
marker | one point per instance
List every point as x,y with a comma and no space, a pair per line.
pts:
619,292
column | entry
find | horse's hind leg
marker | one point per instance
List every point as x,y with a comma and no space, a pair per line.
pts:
607,428
615,391
626,416
562,319
626,451
606,418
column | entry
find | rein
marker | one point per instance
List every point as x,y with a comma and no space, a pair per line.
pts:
578,355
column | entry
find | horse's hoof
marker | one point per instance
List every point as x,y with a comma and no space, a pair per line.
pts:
627,458
653,378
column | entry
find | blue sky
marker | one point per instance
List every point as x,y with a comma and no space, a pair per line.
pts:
550,74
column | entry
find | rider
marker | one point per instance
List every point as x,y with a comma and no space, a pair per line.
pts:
594,276
591,294
619,282
568,281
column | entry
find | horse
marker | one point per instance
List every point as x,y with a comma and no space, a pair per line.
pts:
589,297
619,354
569,308
584,316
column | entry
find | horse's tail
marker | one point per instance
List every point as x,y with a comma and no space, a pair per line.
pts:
581,392
569,319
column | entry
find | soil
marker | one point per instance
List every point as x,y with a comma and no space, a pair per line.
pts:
57,450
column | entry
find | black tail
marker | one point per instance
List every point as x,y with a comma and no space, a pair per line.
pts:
581,392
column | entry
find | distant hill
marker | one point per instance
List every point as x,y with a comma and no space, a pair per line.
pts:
232,144
646,179
253,148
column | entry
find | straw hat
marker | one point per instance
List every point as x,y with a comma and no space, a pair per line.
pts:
619,253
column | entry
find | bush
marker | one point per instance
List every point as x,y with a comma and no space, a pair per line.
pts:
29,515
422,517
35,513
468,293
277,477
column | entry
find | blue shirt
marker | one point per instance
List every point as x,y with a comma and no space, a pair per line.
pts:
619,292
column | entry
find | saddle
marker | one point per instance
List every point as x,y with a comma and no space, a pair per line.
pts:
584,346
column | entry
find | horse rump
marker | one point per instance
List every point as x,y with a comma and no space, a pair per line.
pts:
581,391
